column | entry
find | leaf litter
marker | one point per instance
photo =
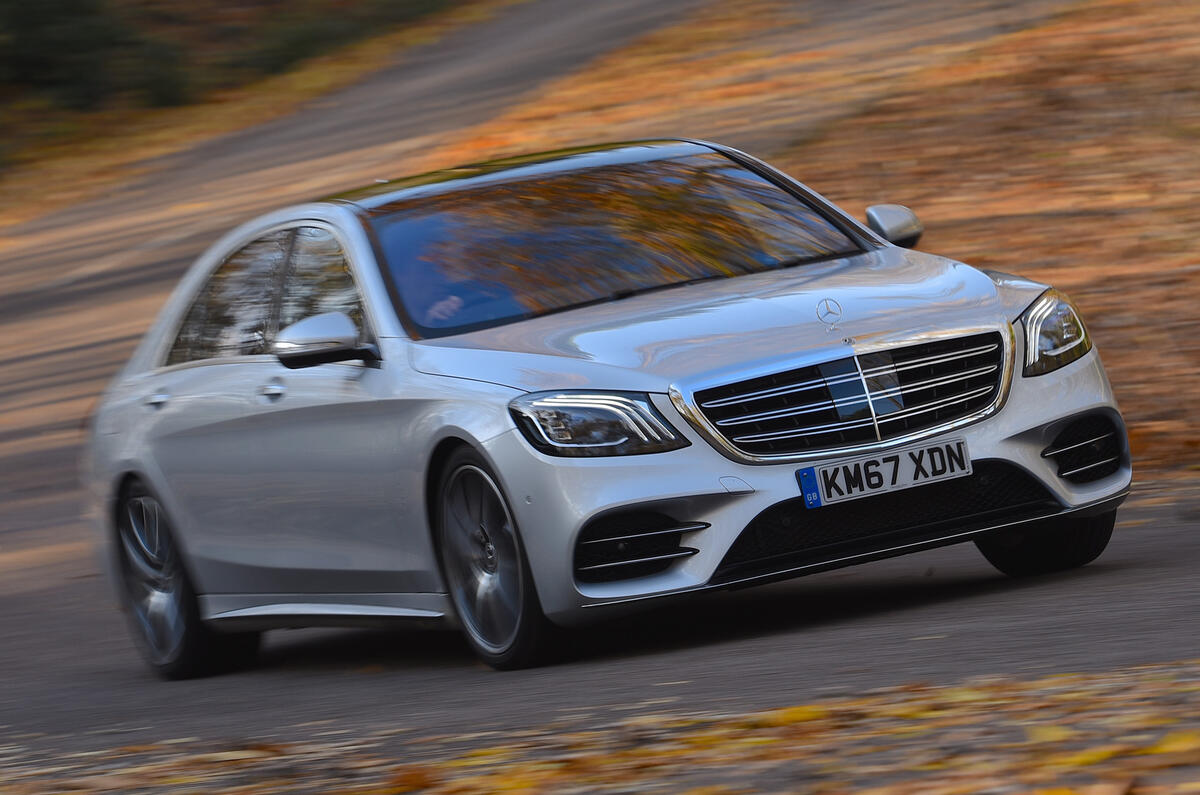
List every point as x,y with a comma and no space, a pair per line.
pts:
1133,730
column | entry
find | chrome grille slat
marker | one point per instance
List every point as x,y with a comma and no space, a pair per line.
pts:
1049,452
807,408
859,400
930,360
783,390
1086,467
834,428
691,527
901,415
682,553
934,382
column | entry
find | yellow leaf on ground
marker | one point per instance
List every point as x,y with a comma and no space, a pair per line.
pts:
791,715
1086,756
411,778
1176,742
245,755
1049,734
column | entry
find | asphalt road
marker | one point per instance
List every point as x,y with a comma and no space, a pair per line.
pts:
943,616
77,287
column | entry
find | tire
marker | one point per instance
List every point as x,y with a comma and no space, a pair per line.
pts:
159,600
484,566
1049,546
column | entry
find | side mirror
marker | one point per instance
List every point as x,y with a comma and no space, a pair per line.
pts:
319,339
895,223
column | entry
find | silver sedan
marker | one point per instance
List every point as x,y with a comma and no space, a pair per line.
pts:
526,394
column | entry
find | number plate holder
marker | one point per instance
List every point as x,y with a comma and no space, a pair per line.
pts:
892,470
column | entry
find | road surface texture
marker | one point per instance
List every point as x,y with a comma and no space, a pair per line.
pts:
77,287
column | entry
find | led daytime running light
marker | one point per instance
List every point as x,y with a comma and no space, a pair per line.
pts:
594,423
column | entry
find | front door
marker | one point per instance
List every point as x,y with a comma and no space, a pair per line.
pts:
326,452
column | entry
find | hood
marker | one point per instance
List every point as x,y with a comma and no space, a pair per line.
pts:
706,330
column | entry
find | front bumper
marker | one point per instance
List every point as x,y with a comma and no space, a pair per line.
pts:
554,498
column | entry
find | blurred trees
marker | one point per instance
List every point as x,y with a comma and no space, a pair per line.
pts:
80,53
84,54
62,47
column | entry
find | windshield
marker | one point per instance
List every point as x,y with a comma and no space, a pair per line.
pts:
478,257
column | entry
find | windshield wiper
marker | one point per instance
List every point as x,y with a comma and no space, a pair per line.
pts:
629,292
792,262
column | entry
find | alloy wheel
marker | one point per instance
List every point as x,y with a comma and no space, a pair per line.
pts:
153,577
482,558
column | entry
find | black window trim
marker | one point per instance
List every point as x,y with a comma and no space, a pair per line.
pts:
169,340
369,335
290,226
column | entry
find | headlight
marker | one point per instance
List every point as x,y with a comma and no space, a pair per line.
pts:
593,423
1054,334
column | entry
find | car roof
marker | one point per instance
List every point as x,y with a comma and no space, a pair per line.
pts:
379,198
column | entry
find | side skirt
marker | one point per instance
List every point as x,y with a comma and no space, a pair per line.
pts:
236,612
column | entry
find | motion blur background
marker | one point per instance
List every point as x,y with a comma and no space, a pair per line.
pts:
1058,139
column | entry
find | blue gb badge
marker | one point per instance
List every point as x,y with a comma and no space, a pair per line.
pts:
809,487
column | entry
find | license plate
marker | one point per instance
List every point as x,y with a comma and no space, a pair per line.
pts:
899,469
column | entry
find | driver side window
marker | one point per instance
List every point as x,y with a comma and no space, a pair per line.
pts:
319,281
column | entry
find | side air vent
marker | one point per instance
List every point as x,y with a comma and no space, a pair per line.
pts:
633,544
1087,450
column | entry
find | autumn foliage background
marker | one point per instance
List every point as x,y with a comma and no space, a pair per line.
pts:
1068,151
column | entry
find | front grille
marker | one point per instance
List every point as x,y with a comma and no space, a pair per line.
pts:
1087,450
860,399
787,535
630,544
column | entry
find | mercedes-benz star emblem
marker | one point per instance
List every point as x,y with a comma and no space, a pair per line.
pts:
829,311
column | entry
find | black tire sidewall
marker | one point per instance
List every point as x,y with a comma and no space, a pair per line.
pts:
1050,546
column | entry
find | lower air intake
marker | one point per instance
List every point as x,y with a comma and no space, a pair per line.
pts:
787,535
1087,450
632,544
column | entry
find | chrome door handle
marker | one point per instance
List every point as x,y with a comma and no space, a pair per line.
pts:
157,400
272,391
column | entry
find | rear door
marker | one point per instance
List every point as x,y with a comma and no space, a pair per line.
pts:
197,408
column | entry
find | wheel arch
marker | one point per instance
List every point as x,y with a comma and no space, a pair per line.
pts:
115,497
434,472
121,483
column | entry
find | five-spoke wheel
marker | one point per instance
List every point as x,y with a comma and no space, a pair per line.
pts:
485,567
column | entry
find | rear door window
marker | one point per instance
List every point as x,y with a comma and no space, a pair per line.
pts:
231,316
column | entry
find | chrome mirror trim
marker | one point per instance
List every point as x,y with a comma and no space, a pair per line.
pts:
319,339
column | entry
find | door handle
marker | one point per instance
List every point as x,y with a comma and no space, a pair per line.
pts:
272,391
157,400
